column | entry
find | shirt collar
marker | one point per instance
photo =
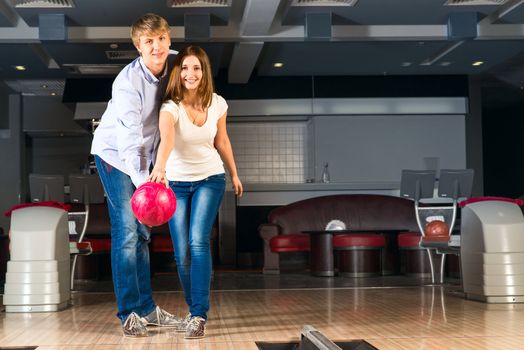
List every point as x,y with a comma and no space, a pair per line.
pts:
150,77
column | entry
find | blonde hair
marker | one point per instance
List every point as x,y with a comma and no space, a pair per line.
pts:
175,90
148,24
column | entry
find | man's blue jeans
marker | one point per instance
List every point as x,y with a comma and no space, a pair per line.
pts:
197,205
129,245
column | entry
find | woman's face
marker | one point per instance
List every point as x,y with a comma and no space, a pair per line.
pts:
191,73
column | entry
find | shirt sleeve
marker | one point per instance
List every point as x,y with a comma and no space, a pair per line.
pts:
171,107
130,140
221,106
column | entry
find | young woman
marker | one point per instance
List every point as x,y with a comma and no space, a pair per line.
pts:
193,149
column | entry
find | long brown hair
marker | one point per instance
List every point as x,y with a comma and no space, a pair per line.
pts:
175,90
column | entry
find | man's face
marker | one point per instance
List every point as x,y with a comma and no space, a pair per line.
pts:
154,49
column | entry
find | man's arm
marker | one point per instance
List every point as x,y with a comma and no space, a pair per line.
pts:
130,140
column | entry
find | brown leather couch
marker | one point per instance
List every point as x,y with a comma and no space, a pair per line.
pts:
360,212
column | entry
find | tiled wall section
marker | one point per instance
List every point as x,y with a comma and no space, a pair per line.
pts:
269,152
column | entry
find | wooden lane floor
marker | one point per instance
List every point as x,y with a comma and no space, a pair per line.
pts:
411,317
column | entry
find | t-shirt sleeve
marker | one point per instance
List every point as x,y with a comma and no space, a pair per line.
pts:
221,106
172,108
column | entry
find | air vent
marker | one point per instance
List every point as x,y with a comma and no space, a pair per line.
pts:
94,69
474,2
324,2
37,87
198,3
43,3
122,55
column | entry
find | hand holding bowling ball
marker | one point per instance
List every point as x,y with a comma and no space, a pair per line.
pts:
436,229
153,203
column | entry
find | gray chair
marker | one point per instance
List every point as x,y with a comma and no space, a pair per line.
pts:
83,189
46,188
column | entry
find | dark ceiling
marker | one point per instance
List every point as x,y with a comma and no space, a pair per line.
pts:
247,37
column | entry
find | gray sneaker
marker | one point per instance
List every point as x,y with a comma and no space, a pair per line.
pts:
134,327
183,325
161,318
196,328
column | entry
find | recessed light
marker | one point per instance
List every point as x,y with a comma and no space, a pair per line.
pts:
44,86
19,67
406,64
113,46
477,63
445,63
278,65
53,94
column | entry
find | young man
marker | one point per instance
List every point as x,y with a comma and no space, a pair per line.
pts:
124,144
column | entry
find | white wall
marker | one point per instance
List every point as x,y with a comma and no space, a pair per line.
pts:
368,148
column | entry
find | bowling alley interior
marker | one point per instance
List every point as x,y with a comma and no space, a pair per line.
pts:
379,147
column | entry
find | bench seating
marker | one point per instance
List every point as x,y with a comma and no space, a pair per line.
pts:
284,231
359,254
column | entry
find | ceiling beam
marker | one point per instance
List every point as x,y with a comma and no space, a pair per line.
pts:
25,34
502,11
108,34
243,61
500,32
44,56
258,17
343,33
441,54
7,11
20,34
256,21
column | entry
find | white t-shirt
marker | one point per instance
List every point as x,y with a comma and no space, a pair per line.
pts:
194,156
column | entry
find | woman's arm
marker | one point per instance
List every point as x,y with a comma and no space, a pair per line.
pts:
166,125
223,146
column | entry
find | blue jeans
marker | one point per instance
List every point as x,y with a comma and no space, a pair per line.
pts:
129,245
197,205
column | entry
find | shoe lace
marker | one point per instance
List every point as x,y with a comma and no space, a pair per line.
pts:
194,323
133,321
163,315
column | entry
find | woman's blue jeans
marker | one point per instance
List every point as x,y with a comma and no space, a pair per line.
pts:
197,205
129,245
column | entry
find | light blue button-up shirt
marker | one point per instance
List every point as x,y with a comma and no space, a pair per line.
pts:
128,134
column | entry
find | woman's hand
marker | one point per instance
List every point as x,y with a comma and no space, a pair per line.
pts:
237,186
158,175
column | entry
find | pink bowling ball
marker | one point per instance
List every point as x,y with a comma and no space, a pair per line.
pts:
153,203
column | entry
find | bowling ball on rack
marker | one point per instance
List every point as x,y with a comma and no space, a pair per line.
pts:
436,228
153,203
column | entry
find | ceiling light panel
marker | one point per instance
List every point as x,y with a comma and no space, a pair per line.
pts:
198,3
324,2
43,3
474,2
